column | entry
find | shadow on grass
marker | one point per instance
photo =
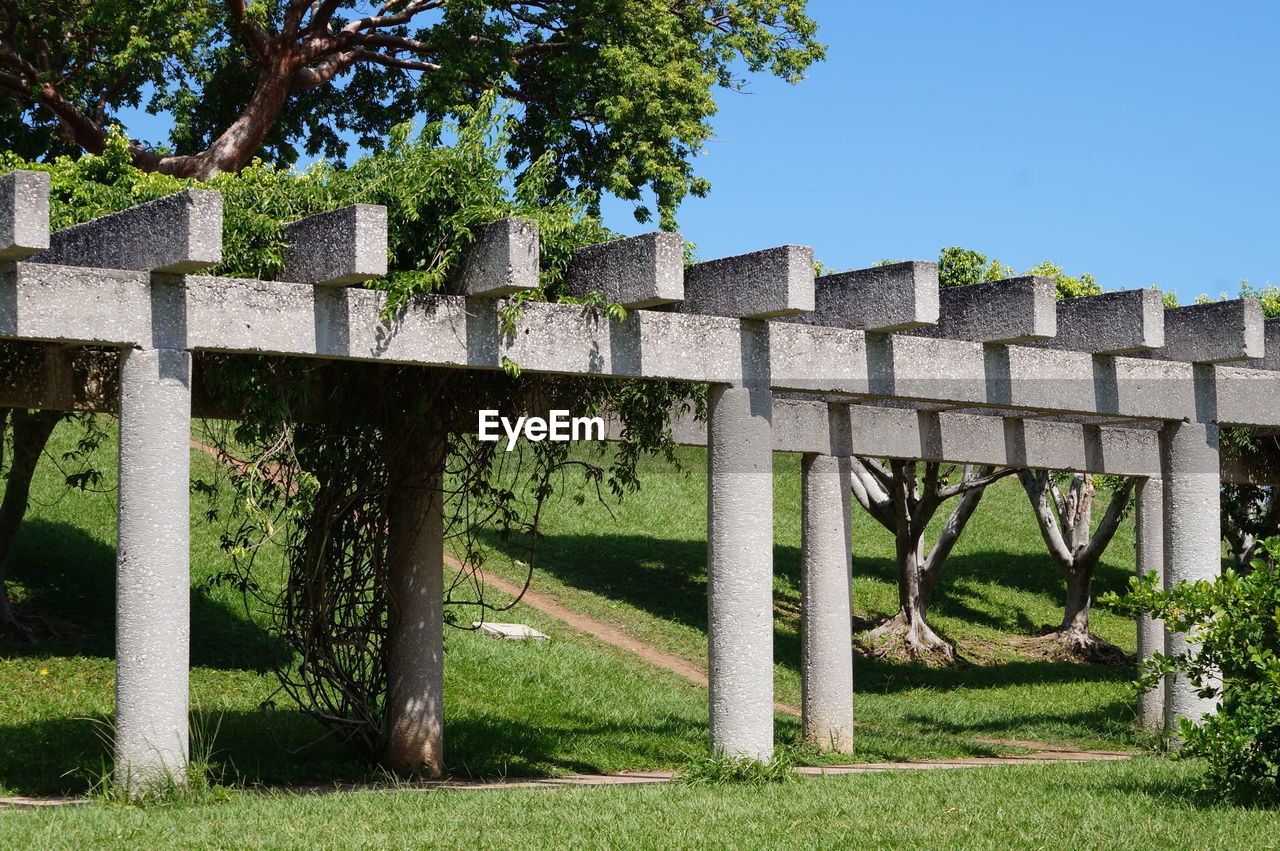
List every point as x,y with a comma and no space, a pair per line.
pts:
68,579
70,755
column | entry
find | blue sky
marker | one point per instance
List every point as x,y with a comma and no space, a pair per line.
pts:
1135,141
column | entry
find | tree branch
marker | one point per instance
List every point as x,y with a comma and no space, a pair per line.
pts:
1110,522
1036,484
251,31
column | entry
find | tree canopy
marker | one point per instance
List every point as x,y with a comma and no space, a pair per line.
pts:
618,93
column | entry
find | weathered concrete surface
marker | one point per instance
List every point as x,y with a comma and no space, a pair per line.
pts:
415,641
882,299
503,260
24,214
1192,540
826,631
338,248
1271,347
1110,323
62,304
153,587
1218,332
1149,523
639,271
179,233
1007,311
759,285
740,571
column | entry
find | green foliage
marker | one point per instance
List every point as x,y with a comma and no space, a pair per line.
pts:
1267,294
1236,620
958,267
1066,285
616,95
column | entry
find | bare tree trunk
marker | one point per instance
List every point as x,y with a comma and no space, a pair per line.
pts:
1065,526
905,505
31,430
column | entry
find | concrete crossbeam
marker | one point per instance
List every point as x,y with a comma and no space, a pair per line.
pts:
1110,323
882,299
24,214
504,259
338,248
179,234
153,585
61,304
740,571
1270,347
639,271
1008,311
1218,332
760,285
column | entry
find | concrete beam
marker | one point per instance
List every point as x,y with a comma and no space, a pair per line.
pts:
640,271
740,571
1218,332
1110,323
882,299
1270,347
338,248
178,234
24,214
1007,311
61,304
761,285
504,259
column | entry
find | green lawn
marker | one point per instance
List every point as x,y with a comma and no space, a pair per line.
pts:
648,573
1146,803
576,705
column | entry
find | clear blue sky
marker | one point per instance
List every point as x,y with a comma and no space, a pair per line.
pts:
1136,141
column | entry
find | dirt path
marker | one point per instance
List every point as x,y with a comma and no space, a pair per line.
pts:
604,631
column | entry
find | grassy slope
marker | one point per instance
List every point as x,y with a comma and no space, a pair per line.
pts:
648,573
578,706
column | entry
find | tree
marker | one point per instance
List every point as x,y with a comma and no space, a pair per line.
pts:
904,502
1065,522
905,496
617,92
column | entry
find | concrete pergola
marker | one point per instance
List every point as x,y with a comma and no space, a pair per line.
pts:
876,362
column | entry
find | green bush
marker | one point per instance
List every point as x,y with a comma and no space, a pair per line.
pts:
1236,619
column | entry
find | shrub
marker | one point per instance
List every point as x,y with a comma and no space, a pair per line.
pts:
1236,620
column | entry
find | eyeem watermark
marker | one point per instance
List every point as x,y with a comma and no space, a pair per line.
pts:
557,426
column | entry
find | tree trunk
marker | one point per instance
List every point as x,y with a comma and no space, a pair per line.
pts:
31,430
1075,617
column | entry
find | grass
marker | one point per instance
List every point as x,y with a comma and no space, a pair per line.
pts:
649,576
1142,803
576,705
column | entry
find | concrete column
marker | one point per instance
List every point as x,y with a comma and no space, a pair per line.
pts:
740,570
1149,522
153,587
1192,539
826,625
415,653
